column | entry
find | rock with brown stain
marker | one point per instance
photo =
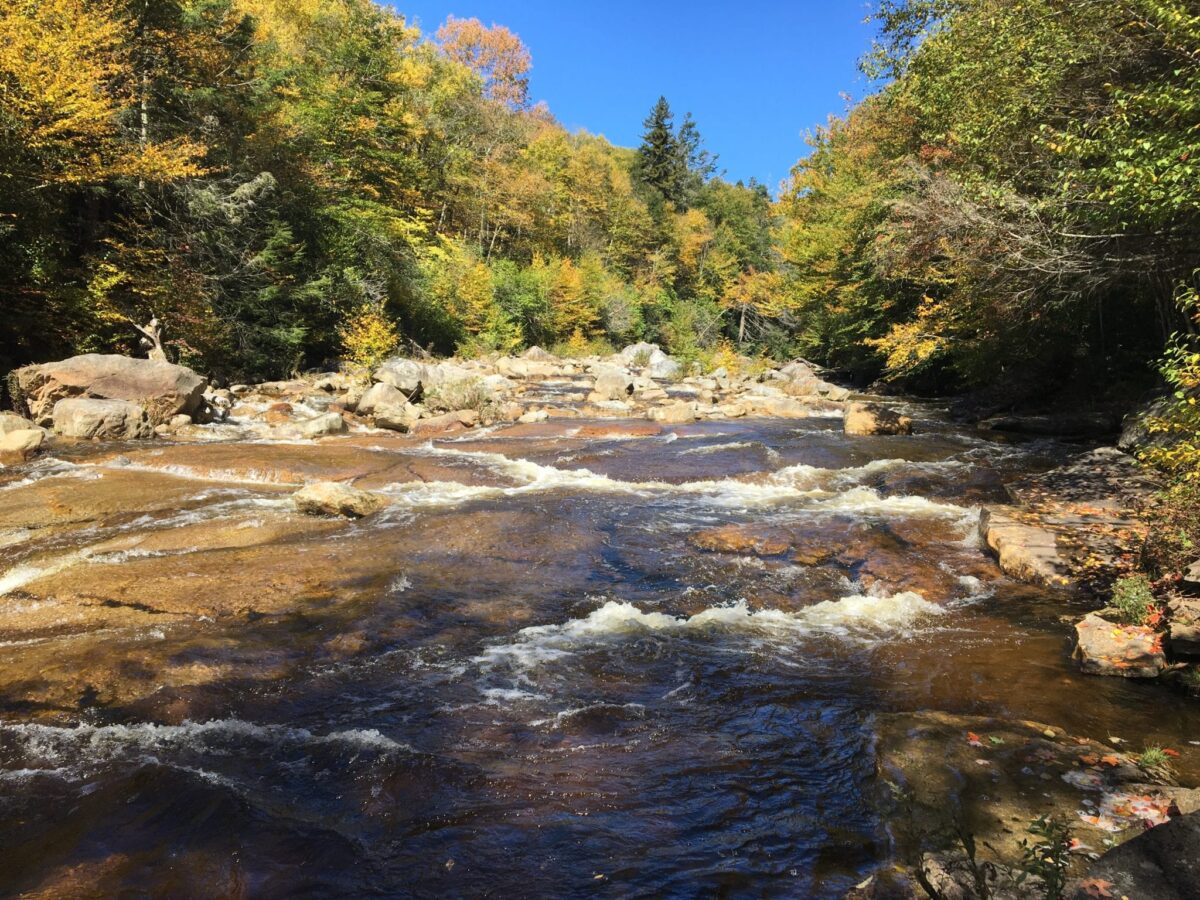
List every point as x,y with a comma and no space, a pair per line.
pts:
873,419
751,539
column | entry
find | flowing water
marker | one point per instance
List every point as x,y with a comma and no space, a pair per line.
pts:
549,668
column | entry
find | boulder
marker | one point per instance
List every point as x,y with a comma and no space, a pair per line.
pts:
451,421
651,358
1190,582
612,384
21,445
319,426
539,355
405,375
800,379
679,413
779,407
101,419
1106,648
163,390
1184,631
331,498
10,422
381,397
396,418
873,419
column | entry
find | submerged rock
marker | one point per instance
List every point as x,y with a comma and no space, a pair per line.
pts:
873,419
759,541
162,389
1106,648
332,498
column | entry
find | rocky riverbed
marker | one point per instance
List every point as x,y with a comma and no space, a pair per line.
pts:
602,626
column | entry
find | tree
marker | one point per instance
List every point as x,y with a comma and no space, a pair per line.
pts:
495,54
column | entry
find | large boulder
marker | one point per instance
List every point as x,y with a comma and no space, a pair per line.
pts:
1107,648
873,419
1024,551
382,397
680,412
651,359
331,498
1161,863
119,420
162,389
405,375
800,379
612,383
319,426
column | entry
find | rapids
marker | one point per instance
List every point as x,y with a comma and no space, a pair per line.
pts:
569,659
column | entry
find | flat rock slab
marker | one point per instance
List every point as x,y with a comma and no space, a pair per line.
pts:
1162,864
1074,526
1025,549
996,776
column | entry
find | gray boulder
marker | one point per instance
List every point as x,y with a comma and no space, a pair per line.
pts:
405,375
612,383
382,397
160,388
319,426
101,419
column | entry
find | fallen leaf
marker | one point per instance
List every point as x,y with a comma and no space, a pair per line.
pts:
1096,887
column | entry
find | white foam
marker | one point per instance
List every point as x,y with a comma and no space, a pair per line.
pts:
98,743
856,617
799,482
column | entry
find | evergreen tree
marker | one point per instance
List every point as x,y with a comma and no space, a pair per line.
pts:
658,164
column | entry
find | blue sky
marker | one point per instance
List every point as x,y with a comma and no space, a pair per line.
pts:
755,74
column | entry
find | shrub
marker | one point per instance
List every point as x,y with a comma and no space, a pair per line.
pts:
368,336
468,393
1133,599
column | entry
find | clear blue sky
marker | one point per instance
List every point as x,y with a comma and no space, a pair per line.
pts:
755,74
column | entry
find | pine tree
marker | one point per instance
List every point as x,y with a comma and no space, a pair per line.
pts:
659,154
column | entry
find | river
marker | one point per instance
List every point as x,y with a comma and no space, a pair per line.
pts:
579,658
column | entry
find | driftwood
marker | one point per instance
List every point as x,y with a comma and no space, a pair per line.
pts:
151,340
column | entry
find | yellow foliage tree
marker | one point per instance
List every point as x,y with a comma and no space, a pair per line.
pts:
61,96
368,336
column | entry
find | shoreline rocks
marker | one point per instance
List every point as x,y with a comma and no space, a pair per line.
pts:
162,389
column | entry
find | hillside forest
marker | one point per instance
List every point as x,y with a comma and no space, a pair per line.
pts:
285,183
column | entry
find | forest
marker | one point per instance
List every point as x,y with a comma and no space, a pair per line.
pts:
288,182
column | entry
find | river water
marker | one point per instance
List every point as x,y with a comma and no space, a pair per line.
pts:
582,658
